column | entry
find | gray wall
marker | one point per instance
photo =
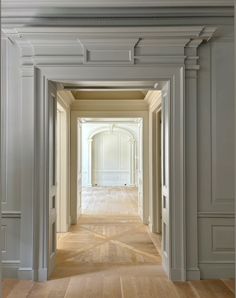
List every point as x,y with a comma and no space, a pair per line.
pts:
215,147
215,156
10,152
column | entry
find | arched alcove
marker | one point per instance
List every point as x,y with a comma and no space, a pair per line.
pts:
112,157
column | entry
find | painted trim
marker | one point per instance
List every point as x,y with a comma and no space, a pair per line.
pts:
216,215
11,214
40,75
75,115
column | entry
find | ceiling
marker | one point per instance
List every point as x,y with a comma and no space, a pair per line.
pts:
111,90
109,95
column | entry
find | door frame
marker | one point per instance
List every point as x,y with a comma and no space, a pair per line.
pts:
75,118
155,224
63,186
172,73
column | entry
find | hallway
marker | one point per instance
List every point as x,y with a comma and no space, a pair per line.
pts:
110,200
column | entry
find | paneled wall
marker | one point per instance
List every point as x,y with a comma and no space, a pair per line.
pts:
10,162
111,159
110,154
214,163
216,156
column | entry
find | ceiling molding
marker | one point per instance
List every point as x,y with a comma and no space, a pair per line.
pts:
66,97
153,97
112,3
19,15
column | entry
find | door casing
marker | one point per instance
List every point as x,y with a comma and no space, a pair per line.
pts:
175,76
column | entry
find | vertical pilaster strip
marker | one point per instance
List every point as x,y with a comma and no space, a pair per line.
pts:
90,162
27,147
191,183
132,162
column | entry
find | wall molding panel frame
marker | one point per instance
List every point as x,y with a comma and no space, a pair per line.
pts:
55,54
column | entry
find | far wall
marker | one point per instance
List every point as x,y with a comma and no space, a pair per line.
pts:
114,157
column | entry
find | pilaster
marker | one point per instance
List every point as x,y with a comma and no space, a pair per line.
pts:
27,149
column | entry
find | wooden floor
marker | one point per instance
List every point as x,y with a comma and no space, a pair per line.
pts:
113,256
110,200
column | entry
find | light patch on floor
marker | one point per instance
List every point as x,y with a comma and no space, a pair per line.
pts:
110,200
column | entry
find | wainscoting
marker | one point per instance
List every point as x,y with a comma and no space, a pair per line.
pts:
10,243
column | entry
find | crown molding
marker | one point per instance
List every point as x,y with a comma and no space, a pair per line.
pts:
108,12
153,97
113,3
38,35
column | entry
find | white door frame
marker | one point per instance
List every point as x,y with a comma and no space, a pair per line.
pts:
62,169
75,116
175,75
155,165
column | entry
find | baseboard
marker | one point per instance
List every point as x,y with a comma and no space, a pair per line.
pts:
217,270
177,275
26,273
193,274
151,228
10,269
42,274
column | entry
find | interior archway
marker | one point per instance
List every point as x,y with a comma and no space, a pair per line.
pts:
113,157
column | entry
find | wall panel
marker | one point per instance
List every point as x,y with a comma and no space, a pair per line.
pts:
111,159
216,157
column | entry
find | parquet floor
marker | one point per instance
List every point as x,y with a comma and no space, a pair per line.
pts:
110,200
113,256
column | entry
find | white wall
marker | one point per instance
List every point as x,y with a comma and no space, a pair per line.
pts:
63,163
109,167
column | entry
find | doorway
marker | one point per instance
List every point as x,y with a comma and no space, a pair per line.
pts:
112,159
111,163
84,110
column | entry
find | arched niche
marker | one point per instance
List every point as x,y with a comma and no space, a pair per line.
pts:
115,130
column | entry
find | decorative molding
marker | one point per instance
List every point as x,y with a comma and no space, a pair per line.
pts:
3,238
4,118
193,274
217,270
11,262
115,51
106,3
26,273
115,128
222,230
153,98
216,215
11,214
131,45
10,268
66,98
